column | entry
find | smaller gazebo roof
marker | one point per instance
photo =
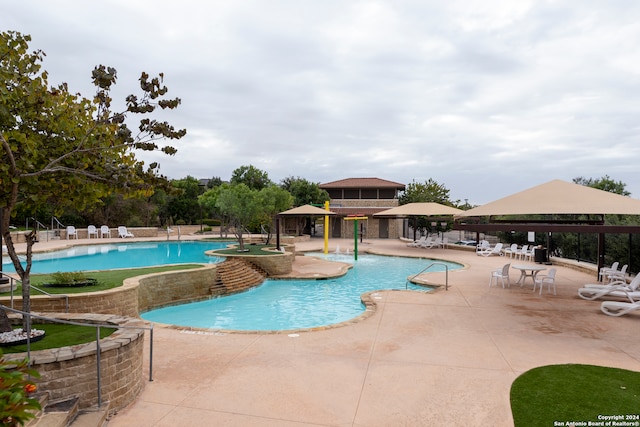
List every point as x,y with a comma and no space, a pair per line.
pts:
419,209
307,210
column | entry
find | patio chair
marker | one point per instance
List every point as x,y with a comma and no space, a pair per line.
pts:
502,273
92,231
104,231
618,308
496,250
524,253
618,289
72,232
123,233
607,270
618,274
549,279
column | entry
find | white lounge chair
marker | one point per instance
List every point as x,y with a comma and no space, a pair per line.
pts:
617,289
549,279
72,232
496,250
502,273
417,243
123,233
428,243
104,231
618,308
92,231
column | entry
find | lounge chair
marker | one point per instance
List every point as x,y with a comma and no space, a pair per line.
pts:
428,243
618,308
72,232
123,233
417,243
617,289
92,231
549,279
502,273
496,250
104,231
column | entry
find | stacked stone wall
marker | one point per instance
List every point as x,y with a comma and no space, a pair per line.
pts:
72,371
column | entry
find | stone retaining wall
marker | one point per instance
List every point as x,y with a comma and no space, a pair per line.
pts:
72,371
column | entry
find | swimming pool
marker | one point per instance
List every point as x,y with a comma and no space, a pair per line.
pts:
298,304
111,256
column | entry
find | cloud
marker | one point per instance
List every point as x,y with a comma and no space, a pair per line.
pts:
487,98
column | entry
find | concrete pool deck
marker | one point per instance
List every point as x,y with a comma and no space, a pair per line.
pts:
445,358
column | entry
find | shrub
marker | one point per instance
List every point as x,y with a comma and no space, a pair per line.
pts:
16,405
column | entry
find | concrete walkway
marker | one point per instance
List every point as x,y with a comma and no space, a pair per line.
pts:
446,358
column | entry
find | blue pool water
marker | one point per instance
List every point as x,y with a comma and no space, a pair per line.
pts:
298,304
120,255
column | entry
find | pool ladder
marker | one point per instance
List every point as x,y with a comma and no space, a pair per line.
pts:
446,280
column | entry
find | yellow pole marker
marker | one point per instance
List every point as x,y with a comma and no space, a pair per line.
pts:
326,229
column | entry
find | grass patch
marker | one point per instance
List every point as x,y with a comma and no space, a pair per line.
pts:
249,250
107,279
60,335
580,393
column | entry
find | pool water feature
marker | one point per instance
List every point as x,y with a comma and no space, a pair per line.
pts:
111,256
285,305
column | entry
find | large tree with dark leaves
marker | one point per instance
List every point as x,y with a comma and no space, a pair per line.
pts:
60,149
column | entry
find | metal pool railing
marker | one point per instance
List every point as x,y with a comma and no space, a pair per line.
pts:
98,349
446,268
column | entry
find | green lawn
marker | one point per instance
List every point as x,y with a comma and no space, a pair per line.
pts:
249,250
557,394
60,335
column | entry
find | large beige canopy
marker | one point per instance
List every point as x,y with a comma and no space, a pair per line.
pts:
419,209
307,210
559,197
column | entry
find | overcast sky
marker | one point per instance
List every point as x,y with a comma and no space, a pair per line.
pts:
486,97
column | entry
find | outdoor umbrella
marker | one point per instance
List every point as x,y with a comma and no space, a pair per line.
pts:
419,209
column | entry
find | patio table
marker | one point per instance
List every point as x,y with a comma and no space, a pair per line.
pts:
527,271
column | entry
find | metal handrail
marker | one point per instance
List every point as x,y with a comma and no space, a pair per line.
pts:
446,269
12,280
98,349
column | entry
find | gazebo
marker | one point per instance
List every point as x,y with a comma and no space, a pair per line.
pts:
414,210
556,198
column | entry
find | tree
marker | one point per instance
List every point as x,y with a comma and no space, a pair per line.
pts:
244,208
183,205
240,205
251,176
304,192
605,183
431,191
62,150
